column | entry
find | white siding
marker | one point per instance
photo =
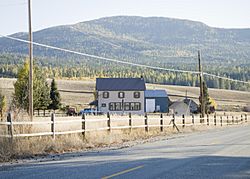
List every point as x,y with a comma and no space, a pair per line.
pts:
113,97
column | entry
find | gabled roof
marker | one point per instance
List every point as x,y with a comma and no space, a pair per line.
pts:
120,84
190,102
155,94
178,104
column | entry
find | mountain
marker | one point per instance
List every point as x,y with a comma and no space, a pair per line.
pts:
140,39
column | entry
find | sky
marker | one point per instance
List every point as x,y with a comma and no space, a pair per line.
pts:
48,13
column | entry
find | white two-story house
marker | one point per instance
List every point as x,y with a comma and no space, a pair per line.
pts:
120,95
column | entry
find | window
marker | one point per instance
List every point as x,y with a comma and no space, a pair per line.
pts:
112,106
118,106
121,94
137,106
104,105
127,106
137,94
115,106
132,106
105,94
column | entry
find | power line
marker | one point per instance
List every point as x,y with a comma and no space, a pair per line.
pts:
225,78
98,57
13,4
122,62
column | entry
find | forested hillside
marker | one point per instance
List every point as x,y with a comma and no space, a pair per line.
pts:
155,41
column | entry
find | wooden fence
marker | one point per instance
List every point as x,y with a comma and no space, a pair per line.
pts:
47,113
109,123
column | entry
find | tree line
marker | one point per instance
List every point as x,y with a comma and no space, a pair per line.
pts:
75,69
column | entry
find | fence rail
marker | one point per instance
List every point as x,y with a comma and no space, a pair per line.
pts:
161,123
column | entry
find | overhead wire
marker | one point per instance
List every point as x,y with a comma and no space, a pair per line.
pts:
225,78
13,4
121,62
98,57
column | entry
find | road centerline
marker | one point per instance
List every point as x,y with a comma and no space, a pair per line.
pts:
123,172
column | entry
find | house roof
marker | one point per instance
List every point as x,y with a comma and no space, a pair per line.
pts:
120,84
155,94
177,104
94,103
190,102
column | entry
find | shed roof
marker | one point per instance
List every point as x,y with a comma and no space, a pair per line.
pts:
190,102
120,84
156,94
178,104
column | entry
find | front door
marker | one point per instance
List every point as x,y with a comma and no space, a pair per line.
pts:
150,105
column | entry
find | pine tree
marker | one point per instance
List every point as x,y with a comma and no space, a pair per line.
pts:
41,91
2,105
54,96
206,100
41,98
21,88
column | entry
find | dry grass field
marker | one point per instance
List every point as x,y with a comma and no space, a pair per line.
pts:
80,93
73,93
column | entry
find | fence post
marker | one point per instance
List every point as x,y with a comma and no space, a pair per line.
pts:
227,120
53,125
146,122
10,126
207,119
245,117
83,125
173,121
192,119
161,122
221,120
241,118
215,119
232,119
174,125
183,120
109,122
130,121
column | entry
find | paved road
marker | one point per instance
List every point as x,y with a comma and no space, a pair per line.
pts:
219,153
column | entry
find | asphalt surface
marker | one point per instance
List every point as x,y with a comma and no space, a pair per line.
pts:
217,153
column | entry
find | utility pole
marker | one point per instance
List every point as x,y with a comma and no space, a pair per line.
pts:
202,105
31,64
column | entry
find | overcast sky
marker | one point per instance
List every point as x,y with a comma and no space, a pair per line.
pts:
47,13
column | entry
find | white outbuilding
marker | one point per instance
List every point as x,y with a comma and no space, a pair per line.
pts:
179,108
